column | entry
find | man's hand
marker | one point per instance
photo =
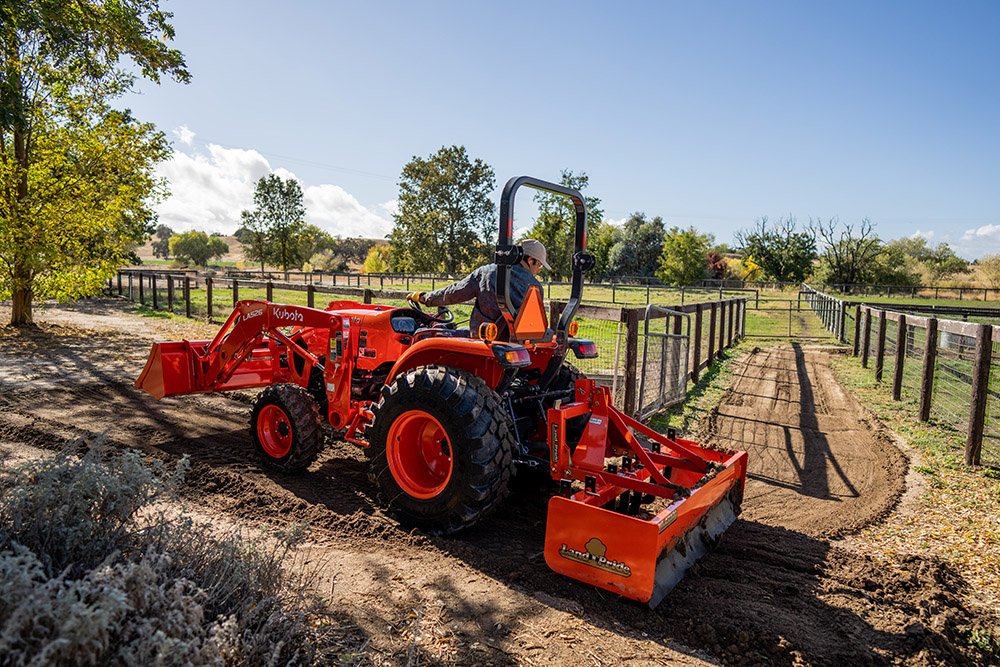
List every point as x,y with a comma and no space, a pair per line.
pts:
415,297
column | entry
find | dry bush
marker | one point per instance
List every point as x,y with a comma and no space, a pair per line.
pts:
92,574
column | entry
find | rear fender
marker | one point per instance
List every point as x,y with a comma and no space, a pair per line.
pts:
468,354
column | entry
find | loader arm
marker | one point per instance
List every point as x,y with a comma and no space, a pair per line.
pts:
252,349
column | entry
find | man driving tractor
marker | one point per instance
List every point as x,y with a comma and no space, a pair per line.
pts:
481,285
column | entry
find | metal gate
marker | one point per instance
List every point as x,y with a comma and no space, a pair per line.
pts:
664,369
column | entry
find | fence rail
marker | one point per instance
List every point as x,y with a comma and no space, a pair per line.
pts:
949,369
631,338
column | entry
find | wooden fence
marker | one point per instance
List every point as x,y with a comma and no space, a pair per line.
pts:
945,365
716,326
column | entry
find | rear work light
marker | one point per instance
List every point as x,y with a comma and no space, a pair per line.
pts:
583,348
511,356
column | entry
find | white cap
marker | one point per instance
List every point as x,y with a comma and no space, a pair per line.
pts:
535,249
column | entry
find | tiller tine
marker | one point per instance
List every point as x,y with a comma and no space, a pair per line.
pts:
603,535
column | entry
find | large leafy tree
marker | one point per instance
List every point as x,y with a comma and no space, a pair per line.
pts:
556,223
636,246
76,175
274,227
783,251
935,263
446,219
197,247
684,257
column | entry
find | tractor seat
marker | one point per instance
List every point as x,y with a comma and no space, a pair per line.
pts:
428,332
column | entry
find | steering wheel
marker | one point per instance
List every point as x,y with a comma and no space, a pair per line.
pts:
444,315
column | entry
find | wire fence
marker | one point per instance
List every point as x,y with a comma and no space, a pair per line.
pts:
949,369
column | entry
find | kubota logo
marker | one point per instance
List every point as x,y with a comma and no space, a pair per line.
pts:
596,556
291,315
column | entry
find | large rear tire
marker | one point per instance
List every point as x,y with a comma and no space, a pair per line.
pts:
286,428
440,449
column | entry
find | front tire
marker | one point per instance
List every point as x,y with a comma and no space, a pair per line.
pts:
286,428
440,449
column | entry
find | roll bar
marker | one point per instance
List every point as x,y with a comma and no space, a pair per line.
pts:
508,254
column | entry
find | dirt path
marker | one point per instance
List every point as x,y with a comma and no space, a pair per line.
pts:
776,591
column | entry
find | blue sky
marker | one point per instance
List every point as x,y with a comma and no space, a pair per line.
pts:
709,114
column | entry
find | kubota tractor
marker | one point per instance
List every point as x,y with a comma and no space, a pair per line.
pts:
446,416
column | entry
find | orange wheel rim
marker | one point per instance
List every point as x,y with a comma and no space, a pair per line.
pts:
419,454
274,431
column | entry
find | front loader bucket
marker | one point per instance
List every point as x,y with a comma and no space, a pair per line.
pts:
641,558
169,370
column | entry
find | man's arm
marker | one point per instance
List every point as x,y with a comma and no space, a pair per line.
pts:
465,289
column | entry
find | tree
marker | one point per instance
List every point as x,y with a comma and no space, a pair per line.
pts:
849,253
636,247
161,246
275,224
782,251
989,268
446,218
682,261
556,222
197,247
378,259
76,176
935,263
312,240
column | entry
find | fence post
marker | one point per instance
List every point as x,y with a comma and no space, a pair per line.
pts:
152,287
711,334
696,339
269,291
142,290
631,357
119,283
743,320
208,297
897,375
980,387
927,374
236,292
880,346
311,296
857,330
187,296
866,342
722,329
368,296
729,327
170,293
843,322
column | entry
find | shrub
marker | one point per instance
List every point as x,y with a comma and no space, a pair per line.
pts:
96,570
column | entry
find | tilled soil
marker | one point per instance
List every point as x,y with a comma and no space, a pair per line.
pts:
777,590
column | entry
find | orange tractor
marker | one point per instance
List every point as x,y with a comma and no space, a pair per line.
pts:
447,416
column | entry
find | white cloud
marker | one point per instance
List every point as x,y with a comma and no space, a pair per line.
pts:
984,232
975,243
209,188
332,208
928,235
185,135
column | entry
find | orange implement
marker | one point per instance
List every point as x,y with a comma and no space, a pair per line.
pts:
601,535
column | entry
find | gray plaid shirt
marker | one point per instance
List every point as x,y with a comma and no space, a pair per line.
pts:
481,285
